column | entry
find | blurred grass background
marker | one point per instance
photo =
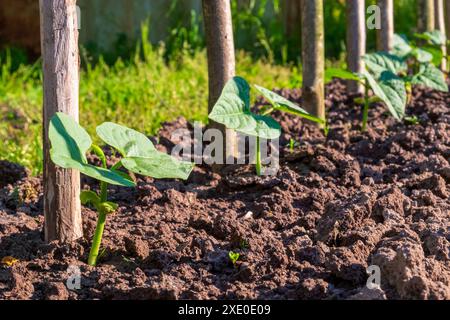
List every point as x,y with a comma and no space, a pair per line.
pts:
142,84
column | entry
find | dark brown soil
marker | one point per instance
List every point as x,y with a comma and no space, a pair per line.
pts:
336,206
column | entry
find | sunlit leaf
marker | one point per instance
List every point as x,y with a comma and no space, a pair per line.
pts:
283,104
380,61
431,77
70,142
391,90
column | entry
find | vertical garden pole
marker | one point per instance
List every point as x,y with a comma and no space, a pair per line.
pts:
447,17
313,57
221,59
59,40
356,40
385,35
291,10
439,18
425,15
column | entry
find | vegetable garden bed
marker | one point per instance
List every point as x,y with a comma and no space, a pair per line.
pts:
337,205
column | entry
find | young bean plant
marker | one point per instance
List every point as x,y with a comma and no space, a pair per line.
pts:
70,143
233,111
391,76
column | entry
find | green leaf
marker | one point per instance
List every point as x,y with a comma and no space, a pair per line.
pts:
436,54
159,166
331,73
128,142
435,37
233,110
140,155
98,173
283,104
422,55
87,197
266,128
68,138
70,142
240,87
107,207
391,89
431,77
401,46
380,61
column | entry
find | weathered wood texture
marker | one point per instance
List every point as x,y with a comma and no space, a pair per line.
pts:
356,40
425,15
313,57
291,10
221,60
439,17
386,33
59,36
447,17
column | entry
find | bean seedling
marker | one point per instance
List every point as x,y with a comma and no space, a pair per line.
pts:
234,257
233,111
391,76
70,144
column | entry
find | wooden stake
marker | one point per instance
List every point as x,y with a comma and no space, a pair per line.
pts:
291,10
386,33
221,60
59,39
439,18
425,15
447,17
313,57
356,41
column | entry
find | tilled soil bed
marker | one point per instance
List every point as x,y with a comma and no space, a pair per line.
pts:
337,205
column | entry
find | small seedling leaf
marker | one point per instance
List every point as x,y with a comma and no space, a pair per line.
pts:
435,37
391,90
70,142
128,142
9,261
380,61
234,257
90,197
107,207
266,128
331,73
233,110
159,165
431,77
68,138
401,46
422,55
283,104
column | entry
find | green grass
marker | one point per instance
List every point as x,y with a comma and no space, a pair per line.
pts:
141,93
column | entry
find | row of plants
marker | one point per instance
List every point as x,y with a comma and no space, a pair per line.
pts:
392,75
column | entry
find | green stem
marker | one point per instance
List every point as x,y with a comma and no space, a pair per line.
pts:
97,240
366,108
268,111
258,157
98,235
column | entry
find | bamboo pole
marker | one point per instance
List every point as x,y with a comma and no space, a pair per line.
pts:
59,41
313,57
